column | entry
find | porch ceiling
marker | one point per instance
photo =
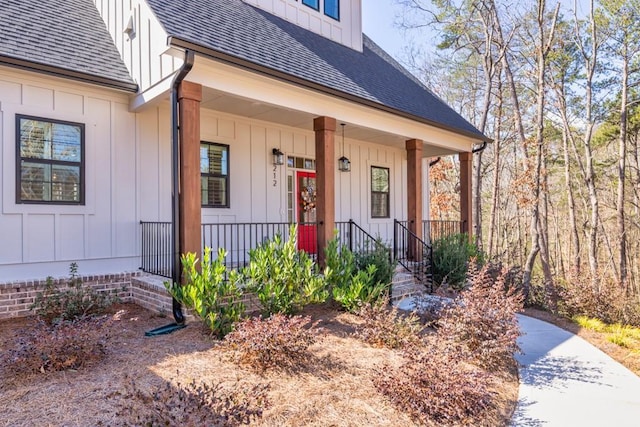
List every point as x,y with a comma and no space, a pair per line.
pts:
213,99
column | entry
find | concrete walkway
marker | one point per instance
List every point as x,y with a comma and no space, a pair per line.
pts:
566,382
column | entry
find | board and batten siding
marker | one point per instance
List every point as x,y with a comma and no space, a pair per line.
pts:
38,240
144,53
346,31
128,178
253,195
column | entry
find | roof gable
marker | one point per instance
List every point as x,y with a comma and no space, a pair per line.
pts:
67,36
238,30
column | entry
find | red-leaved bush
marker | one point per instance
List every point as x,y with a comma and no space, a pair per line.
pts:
606,300
482,320
435,386
387,327
65,345
279,341
193,404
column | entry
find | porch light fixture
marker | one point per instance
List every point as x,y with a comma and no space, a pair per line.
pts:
278,157
344,165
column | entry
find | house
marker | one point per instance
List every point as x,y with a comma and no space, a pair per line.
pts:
128,123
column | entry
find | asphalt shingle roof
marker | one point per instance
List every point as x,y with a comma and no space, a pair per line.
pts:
239,30
68,35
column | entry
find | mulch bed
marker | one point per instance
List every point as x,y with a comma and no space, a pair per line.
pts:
334,390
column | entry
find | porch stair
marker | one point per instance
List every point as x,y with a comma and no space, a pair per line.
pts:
404,284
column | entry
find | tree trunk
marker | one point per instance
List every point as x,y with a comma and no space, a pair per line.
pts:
495,188
622,159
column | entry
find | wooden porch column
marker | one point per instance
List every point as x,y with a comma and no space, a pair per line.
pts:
325,129
414,194
466,172
189,97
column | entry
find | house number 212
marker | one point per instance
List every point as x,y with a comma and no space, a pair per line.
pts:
275,176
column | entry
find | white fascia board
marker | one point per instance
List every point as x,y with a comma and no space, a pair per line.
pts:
252,85
152,96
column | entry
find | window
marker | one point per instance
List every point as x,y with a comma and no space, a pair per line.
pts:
312,3
49,161
332,9
379,192
214,175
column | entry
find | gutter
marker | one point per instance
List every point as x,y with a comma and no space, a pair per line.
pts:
68,74
176,270
288,78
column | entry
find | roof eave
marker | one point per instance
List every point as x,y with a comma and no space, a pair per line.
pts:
70,74
248,65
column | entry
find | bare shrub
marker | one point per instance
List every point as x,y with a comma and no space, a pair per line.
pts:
383,326
483,320
193,404
607,301
434,385
65,345
279,341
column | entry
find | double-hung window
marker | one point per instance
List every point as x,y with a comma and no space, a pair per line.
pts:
214,174
379,192
49,161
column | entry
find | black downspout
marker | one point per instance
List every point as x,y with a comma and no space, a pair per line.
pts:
479,149
176,270
435,161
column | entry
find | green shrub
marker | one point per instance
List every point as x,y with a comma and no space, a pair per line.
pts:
277,342
214,298
54,305
340,265
194,404
283,278
380,256
352,284
64,345
359,290
451,257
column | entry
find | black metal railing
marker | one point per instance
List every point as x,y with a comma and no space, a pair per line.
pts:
434,230
413,254
237,239
358,240
156,248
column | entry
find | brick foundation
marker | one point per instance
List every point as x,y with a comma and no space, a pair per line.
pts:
143,289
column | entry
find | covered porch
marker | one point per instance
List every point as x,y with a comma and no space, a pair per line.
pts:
256,154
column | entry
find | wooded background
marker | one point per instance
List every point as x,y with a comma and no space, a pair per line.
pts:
556,88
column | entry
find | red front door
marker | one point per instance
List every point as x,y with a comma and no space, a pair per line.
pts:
306,190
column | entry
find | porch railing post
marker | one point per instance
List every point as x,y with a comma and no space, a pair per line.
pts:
351,235
395,239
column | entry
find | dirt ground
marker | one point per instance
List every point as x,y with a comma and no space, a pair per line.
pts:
628,357
335,390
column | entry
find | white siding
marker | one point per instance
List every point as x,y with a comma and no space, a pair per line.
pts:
253,195
128,178
41,240
143,54
346,31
